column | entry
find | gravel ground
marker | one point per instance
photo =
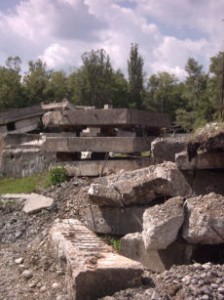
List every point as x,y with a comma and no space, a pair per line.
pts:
28,270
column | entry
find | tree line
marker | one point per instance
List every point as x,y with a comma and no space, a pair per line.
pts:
191,102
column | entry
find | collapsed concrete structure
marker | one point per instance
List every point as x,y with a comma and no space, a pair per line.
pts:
65,134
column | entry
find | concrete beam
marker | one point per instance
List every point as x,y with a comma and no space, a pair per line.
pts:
203,161
93,270
102,167
99,144
13,115
107,117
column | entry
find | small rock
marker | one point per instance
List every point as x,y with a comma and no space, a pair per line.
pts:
27,274
55,286
19,260
43,289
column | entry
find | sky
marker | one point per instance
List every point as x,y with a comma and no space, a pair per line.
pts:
168,32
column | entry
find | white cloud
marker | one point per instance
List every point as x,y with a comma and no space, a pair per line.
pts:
167,31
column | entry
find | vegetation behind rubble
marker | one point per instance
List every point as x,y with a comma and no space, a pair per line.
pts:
32,183
191,101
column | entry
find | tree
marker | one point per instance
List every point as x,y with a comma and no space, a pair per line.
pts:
135,78
36,81
164,93
92,83
56,87
11,92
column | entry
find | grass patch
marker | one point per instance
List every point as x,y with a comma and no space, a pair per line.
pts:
31,183
113,241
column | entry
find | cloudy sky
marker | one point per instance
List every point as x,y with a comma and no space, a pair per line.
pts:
59,31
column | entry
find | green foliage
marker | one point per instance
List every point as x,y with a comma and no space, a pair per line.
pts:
20,185
57,175
135,78
113,241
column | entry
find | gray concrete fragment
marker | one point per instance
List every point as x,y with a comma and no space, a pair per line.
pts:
113,220
164,149
161,224
93,269
204,220
177,253
35,202
140,187
203,161
101,167
98,144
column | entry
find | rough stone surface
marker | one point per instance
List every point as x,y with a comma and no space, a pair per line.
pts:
92,267
35,202
140,187
204,220
161,224
113,220
164,149
177,253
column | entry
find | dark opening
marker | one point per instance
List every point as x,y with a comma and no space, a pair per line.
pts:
65,156
11,126
209,253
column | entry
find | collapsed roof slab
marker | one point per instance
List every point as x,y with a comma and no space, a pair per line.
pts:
107,117
98,144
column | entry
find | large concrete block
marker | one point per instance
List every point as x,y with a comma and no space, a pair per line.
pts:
113,220
104,117
98,144
140,187
177,253
101,167
164,149
93,269
27,125
203,161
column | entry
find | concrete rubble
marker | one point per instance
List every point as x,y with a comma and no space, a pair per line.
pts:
204,220
140,187
93,269
161,224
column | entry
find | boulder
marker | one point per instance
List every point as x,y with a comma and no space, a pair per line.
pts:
141,186
161,224
94,270
204,220
177,253
113,220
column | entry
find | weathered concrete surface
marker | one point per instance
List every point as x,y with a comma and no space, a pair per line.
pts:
161,224
103,117
204,220
177,253
140,187
203,161
164,149
101,167
113,220
13,115
93,270
35,202
27,125
63,105
98,144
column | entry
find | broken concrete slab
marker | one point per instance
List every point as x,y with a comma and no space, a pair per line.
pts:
161,223
203,161
140,187
177,253
164,149
113,220
93,269
204,220
35,202
101,167
98,144
118,117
